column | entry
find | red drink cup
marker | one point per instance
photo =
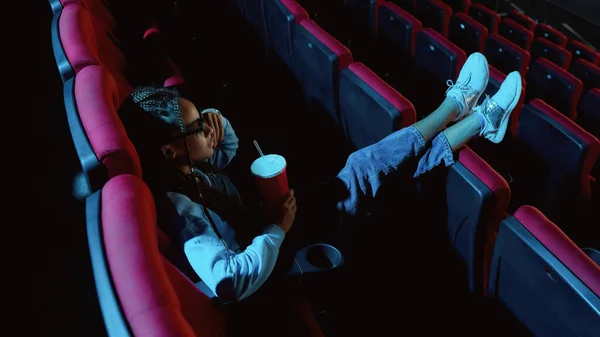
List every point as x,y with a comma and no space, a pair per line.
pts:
271,177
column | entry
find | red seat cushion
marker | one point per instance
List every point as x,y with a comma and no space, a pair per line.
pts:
97,100
84,44
149,301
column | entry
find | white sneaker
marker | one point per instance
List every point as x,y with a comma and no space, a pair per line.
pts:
496,110
470,84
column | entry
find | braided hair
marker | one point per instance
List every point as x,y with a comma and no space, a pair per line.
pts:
151,115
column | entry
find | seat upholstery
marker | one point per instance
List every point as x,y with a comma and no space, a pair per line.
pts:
467,33
370,108
552,52
555,86
97,101
515,33
319,59
540,275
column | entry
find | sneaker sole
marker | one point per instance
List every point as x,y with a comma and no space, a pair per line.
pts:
503,125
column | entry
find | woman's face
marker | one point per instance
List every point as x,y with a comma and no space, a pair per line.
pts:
201,143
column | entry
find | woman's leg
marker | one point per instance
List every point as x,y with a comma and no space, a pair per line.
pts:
366,169
434,123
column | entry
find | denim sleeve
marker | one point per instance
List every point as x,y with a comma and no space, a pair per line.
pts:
226,149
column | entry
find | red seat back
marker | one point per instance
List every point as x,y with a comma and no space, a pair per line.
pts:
84,44
97,100
155,298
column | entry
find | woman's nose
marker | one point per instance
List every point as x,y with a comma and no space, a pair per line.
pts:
209,130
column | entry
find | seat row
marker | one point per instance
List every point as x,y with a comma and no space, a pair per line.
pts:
98,88
141,292
482,196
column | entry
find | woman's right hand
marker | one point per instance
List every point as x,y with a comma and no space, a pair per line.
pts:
288,212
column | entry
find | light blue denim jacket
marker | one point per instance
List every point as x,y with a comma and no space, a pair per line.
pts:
229,272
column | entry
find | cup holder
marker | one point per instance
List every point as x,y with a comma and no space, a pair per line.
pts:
316,258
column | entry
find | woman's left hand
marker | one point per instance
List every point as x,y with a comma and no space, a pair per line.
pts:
214,120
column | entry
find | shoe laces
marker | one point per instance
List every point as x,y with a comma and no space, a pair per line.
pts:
463,87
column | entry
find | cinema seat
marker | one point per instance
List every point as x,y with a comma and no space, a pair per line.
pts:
466,33
580,50
522,19
555,86
486,17
553,158
540,276
551,34
370,108
552,52
319,59
397,30
140,293
506,56
282,17
97,100
434,14
587,72
84,45
477,199
515,33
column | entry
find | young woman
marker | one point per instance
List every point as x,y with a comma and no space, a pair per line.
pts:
183,149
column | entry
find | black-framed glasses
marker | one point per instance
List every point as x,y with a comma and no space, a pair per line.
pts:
194,129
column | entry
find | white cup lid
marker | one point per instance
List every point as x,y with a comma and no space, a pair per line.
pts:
268,165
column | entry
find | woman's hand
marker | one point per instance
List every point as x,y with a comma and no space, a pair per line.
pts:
288,212
215,121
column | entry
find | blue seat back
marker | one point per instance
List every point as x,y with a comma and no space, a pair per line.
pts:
434,14
543,278
555,86
580,50
254,11
438,56
485,16
549,50
282,17
515,33
398,29
554,157
319,59
587,72
370,108
477,197
468,34
551,34
366,11
505,55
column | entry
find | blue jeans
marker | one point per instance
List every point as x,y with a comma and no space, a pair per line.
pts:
354,191
355,188
366,169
